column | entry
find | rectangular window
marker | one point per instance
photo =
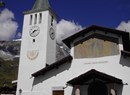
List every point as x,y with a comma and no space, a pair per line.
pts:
35,21
31,17
40,18
58,92
33,40
52,18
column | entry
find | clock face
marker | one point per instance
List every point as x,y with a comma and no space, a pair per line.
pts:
52,33
34,31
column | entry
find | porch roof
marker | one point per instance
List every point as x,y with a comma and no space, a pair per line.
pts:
93,75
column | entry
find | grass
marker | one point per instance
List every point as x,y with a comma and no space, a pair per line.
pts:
8,73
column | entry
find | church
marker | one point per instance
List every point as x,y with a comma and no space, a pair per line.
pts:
98,62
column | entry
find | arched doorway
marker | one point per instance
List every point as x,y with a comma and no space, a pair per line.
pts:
97,88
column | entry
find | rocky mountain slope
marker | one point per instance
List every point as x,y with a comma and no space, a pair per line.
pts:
9,49
9,59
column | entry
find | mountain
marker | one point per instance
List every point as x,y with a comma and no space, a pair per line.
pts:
9,59
9,49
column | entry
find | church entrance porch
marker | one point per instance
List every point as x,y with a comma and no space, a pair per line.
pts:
97,88
94,82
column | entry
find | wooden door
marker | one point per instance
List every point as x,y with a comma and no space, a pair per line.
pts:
58,92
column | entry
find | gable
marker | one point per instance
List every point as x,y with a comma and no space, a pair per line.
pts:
123,34
93,75
96,45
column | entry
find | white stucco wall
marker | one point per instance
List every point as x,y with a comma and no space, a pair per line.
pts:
43,44
111,65
59,77
44,85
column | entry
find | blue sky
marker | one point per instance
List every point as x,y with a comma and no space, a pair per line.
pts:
108,13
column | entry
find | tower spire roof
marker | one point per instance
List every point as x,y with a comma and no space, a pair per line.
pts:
40,5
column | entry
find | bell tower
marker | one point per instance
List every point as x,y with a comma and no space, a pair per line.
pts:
38,46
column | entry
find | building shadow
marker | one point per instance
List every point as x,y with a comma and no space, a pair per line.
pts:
125,61
51,73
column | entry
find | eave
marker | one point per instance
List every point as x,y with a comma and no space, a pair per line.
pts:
93,75
34,11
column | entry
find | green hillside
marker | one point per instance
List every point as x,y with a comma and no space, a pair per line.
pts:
8,73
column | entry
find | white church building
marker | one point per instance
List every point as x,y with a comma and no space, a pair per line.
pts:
98,62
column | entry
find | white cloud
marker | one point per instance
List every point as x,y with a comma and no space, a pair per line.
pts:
8,26
66,28
124,26
18,35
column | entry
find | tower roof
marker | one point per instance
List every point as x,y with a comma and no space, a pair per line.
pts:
40,5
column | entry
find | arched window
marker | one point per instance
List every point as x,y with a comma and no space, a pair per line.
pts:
113,92
31,18
40,18
35,20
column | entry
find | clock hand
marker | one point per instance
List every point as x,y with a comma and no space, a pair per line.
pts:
34,31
